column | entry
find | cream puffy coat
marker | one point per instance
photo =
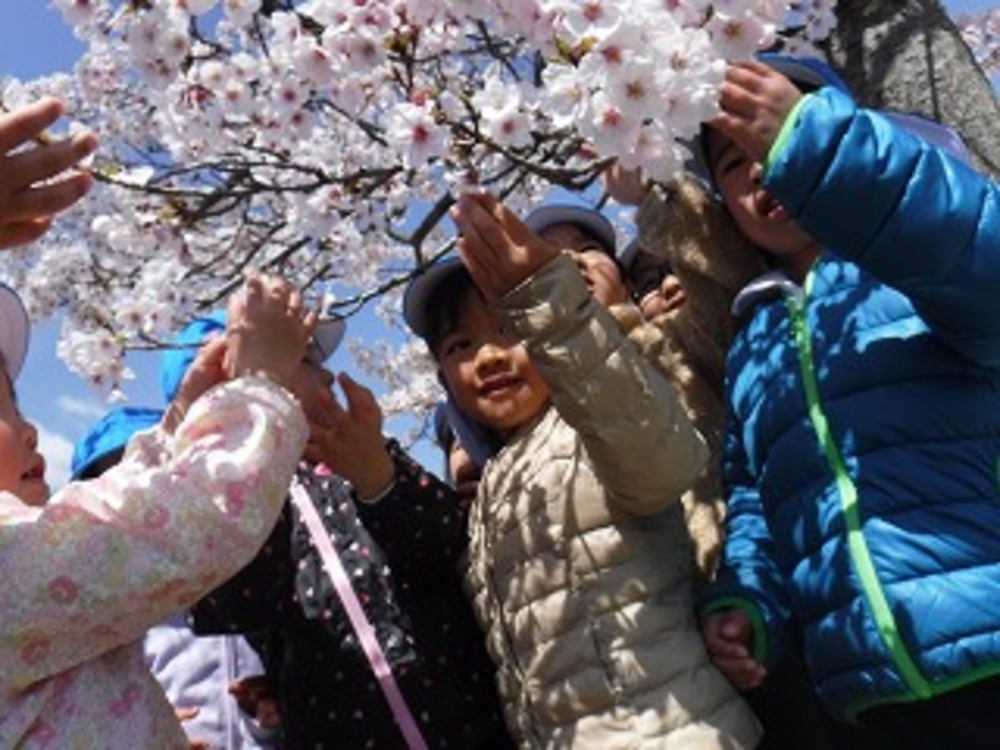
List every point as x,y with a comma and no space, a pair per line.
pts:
579,564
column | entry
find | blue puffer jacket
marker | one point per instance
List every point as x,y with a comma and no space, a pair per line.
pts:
863,448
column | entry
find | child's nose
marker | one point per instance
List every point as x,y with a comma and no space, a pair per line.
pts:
30,433
490,356
757,172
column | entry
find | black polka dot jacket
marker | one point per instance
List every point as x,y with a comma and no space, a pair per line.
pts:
405,576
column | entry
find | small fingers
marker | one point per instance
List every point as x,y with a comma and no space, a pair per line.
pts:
184,714
359,399
28,122
32,165
41,202
332,407
295,302
212,351
745,674
23,232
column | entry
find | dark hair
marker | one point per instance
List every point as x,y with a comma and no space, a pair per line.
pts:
101,464
442,315
444,434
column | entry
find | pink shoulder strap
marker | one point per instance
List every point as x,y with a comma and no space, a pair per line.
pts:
362,627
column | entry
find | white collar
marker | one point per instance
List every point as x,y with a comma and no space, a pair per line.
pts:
762,287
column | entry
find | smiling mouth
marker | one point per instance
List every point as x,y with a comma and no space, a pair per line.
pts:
497,384
769,208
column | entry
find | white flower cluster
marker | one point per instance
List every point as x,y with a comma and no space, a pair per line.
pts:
982,33
327,141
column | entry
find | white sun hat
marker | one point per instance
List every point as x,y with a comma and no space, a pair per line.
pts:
14,331
326,337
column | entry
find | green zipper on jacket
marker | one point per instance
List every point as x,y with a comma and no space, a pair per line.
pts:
848,491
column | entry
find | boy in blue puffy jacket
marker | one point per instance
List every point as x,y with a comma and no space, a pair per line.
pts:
863,439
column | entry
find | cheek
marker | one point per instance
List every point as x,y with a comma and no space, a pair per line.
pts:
456,376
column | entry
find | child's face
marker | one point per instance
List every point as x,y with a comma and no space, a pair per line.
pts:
599,271
487,372
761,219
22,468
310,382
656,289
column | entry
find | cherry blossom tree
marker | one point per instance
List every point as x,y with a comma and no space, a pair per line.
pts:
326,140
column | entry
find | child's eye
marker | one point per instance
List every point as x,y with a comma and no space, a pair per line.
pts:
731,164
454,345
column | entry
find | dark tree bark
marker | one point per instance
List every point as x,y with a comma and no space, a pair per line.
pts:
908,55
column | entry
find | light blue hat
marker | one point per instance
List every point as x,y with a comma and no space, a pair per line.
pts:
109,435
15,330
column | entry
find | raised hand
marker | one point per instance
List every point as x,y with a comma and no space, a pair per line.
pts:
28,196
496,247
350,440
255,697
206,370
626,186
267,329
756,100
728,637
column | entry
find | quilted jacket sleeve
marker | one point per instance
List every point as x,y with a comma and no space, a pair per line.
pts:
108,558
927,224
749,577
643,446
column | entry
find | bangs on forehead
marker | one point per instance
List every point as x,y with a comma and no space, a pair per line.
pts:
444,315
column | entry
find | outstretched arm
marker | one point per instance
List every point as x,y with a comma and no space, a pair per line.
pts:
108,558
626,413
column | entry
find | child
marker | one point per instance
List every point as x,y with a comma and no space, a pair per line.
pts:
587,235
196,673
578,561
459,468
88,571
29,191
652,281
861,452
403,575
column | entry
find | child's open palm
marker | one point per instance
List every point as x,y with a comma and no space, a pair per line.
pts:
755,100
350,442
497,248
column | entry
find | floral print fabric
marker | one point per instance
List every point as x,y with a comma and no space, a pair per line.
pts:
106,559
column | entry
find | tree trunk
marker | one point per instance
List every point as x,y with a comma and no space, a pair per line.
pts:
908,55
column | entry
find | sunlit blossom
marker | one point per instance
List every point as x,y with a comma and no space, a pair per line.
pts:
317,140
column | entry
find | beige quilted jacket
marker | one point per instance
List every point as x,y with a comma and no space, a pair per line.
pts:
579,564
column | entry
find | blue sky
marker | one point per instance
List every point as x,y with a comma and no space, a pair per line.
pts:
33,42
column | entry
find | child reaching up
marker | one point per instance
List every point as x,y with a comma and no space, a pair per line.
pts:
90,569
579,565
369,642
863,439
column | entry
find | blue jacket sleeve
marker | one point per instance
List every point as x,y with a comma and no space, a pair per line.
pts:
749,577
910,214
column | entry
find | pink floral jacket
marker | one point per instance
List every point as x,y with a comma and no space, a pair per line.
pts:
86,575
